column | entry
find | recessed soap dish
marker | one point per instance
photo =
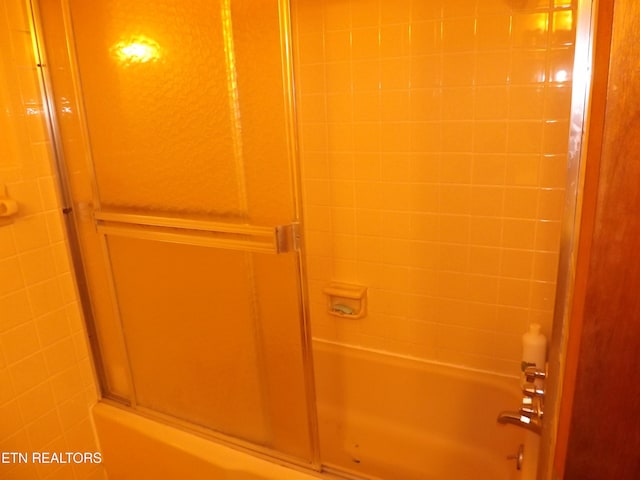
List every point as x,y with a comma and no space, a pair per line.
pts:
345,300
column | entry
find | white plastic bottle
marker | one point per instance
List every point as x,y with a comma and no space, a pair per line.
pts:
534,348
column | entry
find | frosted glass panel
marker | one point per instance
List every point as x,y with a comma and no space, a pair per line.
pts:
188,125
213,338
156,81
264,139
174,87
188,316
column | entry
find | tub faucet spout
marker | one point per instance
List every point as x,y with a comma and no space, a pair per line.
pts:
520,420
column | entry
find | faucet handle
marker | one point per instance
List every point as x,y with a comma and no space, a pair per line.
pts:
532,390
532,374
531,407
528,407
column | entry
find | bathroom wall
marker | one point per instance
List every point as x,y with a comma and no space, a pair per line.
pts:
433,145
46,380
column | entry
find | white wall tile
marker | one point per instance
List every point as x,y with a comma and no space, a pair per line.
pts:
47,384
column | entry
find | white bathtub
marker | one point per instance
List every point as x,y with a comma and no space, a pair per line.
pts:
400,418
380,416
137,448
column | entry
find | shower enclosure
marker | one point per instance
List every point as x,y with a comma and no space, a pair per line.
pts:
180,161
426,142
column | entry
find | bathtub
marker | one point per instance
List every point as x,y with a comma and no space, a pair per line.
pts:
380,416
401,418
137,448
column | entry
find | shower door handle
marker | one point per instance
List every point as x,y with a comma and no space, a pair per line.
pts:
189,231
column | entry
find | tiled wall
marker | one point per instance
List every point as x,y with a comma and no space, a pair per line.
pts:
433,142
46,381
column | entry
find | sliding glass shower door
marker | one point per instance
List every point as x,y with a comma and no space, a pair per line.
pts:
175,121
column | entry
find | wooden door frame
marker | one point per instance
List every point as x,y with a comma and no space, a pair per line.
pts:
578,363
595,133
586,120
